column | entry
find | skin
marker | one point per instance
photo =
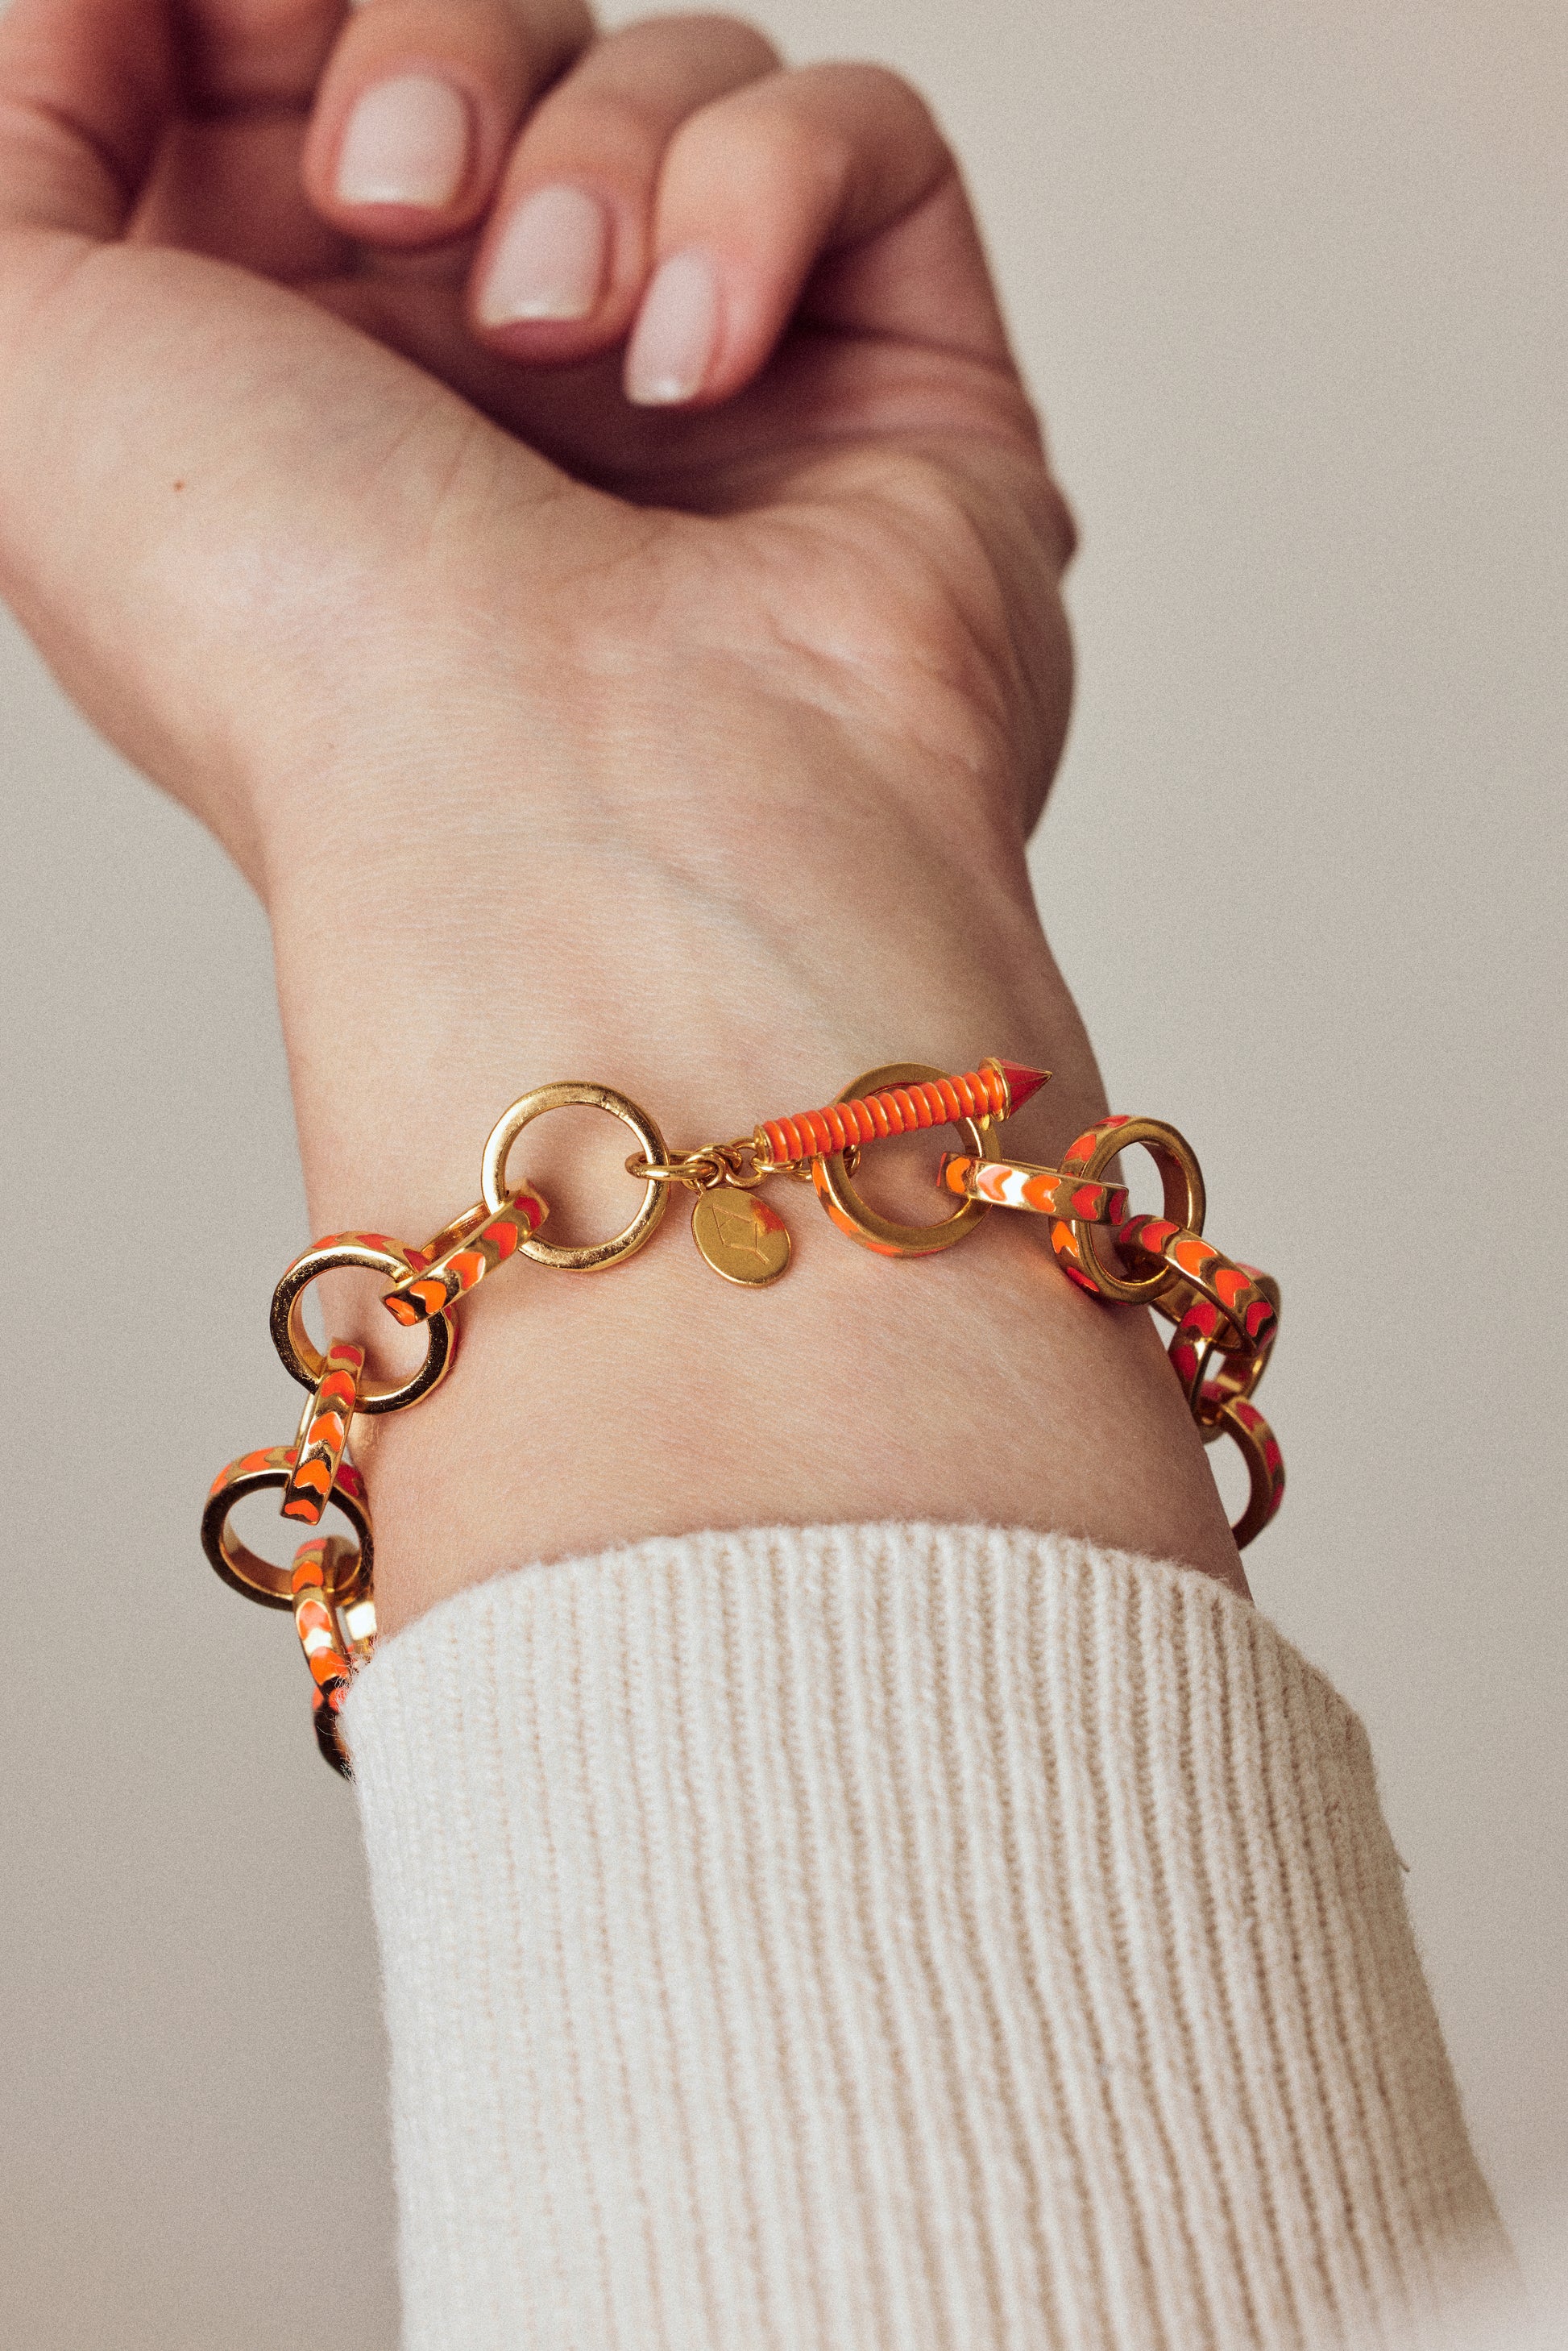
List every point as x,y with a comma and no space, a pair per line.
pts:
690,748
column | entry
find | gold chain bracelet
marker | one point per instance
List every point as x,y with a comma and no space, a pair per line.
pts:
1226,1313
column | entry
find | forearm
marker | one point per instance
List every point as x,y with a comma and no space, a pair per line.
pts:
898,1937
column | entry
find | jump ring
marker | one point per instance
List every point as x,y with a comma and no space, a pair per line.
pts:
700,1169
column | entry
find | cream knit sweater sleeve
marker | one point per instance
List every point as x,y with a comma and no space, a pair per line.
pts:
880,1937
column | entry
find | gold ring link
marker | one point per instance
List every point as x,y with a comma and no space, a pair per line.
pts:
243,1570
700,1169
569,1093
304,1361
850,1213
1181,1183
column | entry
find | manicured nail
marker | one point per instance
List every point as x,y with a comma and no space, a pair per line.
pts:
405,144
550,261
676,330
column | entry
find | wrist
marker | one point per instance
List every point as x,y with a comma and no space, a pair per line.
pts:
730,916
590,1412
653,1398
692,943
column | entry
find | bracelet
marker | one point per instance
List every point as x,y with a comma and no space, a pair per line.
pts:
1226,1313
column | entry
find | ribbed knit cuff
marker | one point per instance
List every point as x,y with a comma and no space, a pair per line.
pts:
902,1937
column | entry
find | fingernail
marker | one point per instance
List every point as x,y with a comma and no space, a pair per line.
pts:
405,144
675,333
550,261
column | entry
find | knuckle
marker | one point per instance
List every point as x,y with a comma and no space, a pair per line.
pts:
612,122
765,145
741,40
898,100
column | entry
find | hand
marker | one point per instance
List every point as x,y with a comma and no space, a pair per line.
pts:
689,741
211,485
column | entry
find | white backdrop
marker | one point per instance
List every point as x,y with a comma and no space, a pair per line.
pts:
1289,285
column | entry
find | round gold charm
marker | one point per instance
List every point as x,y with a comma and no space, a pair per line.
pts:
741,1236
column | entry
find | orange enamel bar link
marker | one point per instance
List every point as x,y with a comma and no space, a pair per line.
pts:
323,1433
1018,1184
993,1090
461,1254
316,1621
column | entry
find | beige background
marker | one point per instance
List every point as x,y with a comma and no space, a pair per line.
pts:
1289,283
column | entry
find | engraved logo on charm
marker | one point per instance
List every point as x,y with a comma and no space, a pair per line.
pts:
741,1236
